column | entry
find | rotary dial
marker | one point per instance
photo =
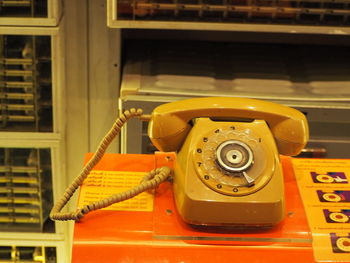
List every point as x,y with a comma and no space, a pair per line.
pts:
233,161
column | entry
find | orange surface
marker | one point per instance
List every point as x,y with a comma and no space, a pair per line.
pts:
161,236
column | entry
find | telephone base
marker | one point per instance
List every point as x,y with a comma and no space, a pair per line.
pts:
234,215
207,193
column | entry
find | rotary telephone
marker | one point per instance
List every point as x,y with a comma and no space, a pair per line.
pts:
227,169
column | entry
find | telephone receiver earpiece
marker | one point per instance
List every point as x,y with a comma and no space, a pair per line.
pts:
169,123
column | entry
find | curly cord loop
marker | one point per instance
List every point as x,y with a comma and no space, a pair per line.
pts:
150,181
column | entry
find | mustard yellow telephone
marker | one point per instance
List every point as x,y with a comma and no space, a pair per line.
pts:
227,169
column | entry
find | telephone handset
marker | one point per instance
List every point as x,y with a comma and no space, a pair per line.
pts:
170,122
227,169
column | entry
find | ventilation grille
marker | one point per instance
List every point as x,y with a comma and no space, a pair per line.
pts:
25,83
23,8
194,68
25,190
27,254
307,12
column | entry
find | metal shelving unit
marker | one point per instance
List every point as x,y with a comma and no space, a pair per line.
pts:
284,72
30,12
18,254
293,16
25,83
25,190
31,76
32,147
31,178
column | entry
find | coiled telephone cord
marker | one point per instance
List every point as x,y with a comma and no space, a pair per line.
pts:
150,181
